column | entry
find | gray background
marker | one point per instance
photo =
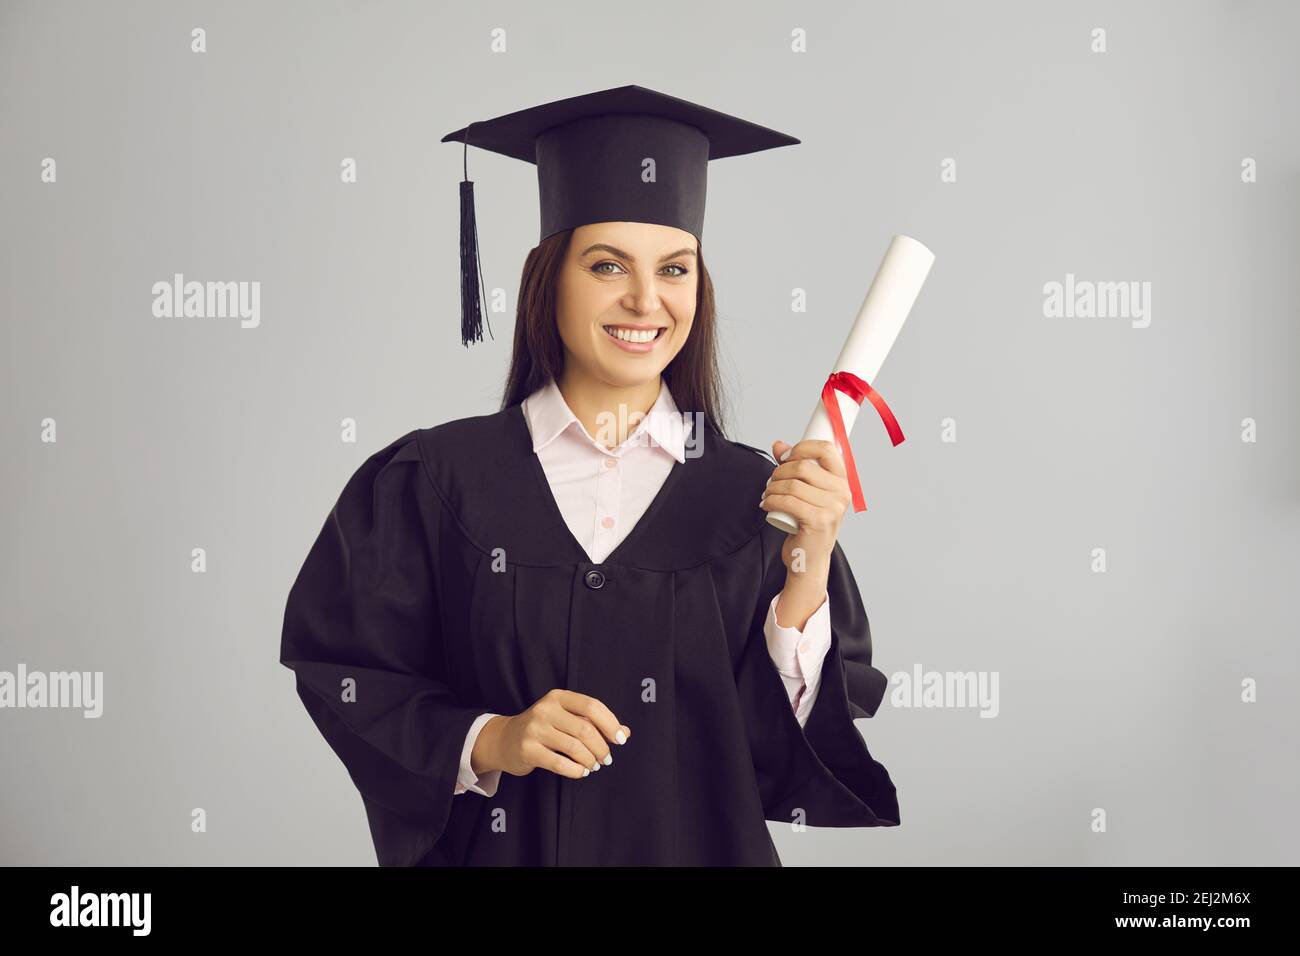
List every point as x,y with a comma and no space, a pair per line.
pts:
1118,690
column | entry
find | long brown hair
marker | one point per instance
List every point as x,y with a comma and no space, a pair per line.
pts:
538,357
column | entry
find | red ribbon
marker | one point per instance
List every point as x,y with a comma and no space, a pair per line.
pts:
856,389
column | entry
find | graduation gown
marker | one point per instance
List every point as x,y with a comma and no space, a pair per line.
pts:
445,584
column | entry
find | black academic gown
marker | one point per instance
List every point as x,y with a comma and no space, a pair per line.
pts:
446,584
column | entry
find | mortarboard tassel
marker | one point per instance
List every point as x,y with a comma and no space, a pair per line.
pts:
471,276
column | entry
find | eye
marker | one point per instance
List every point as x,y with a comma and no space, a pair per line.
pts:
606,262
597,268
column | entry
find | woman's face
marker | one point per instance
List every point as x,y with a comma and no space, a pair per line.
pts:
626,276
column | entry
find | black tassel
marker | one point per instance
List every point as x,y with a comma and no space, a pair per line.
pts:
471,274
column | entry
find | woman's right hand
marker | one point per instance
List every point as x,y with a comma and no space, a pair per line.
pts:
564,732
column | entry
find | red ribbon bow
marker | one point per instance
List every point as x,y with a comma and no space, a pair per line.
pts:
856,389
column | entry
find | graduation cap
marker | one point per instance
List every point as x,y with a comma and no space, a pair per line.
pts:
627,154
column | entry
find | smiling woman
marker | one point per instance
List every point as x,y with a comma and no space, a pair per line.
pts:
548,635
589,300
657,303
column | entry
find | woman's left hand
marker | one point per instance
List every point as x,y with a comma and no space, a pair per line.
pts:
812,485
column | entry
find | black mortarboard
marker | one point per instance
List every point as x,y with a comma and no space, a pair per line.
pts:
591,154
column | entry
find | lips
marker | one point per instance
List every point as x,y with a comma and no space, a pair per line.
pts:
646,345
635,334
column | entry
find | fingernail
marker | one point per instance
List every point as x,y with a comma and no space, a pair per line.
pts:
609,759
585,771
595,766
621,737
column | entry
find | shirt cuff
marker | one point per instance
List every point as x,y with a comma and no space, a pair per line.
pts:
468,779
798,655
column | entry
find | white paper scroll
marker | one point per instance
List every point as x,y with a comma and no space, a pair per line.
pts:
897,283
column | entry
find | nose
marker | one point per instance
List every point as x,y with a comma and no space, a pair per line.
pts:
643,297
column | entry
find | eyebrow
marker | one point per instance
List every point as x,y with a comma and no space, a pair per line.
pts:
605,247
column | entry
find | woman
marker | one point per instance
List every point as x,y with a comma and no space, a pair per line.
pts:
563,633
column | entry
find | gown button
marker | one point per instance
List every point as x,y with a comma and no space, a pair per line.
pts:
595,580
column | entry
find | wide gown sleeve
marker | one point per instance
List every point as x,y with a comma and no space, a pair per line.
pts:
822,773
362,634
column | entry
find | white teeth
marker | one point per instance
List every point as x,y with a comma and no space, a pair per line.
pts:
632,335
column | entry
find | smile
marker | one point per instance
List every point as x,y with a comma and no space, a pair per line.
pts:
634,340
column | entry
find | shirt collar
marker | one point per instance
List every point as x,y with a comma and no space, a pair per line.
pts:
549,415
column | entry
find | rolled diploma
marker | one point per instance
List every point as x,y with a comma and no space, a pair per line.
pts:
890,298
